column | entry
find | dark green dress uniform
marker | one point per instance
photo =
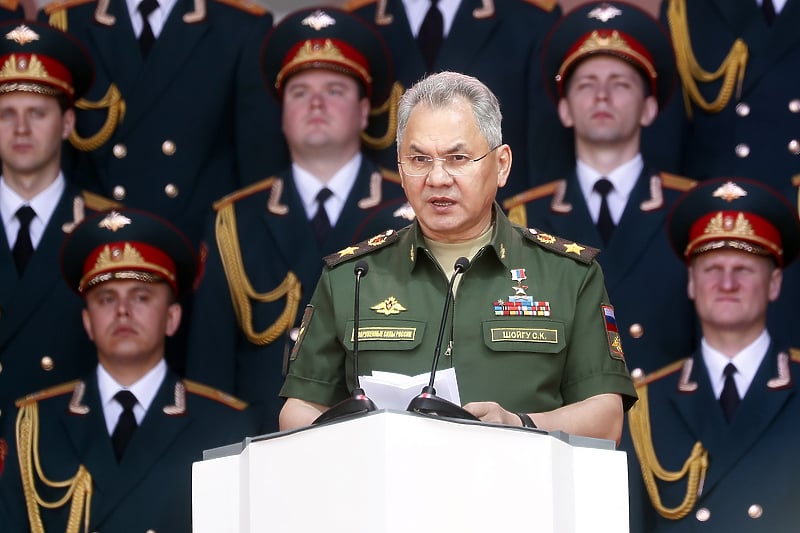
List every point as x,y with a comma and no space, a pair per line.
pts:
500,44
148,490
532,327
197,121
262,238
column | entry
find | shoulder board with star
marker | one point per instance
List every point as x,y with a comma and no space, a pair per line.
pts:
95,202
676,182
217,395
235,196
352,5
254,8
52,392
58,5
571,249
535,193
644,380
364,247
10,5
545,5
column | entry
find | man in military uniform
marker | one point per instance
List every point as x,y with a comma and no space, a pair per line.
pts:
114,450
713,433
610,67
42,341
531,330
498,43
268,240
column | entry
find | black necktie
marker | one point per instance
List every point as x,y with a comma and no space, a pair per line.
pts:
321,223
431,34
605,224
126,424
23,247
768,9
147,37
729,399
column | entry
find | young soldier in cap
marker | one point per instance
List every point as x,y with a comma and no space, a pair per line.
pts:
113,451
610,68
714,432
42,342
267,243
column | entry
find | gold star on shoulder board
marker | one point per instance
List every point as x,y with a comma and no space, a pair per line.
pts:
574,248
350,250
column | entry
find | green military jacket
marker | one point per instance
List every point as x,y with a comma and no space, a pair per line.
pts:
531,326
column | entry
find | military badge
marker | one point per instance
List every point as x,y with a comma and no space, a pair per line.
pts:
114,221
545,238
520,304
729,192
604,13
390,306
612,332
307,314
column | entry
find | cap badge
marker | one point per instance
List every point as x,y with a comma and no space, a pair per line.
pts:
109,256
318,20
604,13
729,192
114,221
15,67
22,35
722,225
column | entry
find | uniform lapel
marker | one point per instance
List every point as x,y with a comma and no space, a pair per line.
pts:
577,221
401,42
466,39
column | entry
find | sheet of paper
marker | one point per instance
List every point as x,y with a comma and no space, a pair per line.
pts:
394,391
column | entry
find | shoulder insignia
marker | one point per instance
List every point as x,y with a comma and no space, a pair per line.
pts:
11,5
95,202
794,353
796,180
571,249
352,5
214,394
364,247
644,380
677,183
235,196
58,5
390,175
546,5
248,6
540,191
52,392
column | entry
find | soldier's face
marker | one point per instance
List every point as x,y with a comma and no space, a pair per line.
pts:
128,321
32,129
451,208
323,110
731,290
606,103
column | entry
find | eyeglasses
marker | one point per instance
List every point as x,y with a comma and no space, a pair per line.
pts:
453,164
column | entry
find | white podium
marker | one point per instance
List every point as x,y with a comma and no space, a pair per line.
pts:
396,472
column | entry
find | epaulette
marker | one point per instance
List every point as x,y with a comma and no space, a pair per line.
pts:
796,180
254,8
52,392
571,249
214,394
11,5
677,183
58,5
235,196
352,5
794,353
95,202
545,5
364,247
391,175
642,381
540,191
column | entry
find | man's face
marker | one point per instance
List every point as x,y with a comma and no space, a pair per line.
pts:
606,103
129,320
731,289
323,110
450,208
32,128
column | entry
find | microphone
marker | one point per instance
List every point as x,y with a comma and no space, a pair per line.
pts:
427,403
358,403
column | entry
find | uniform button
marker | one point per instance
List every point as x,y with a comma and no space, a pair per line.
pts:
294,333
742,109
794,146
755,511
120,150
702,514
168,147
636,331
794,105
742,150
151,531
637,373
171,190
47,363
119,192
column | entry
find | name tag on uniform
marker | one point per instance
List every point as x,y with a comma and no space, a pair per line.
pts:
537,335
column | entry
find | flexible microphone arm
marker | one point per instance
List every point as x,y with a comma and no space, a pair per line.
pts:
358,403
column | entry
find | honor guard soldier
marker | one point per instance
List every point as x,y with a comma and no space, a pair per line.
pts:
497,42
113,451
531,329
610,68
739,114
266,244
177,115
42,341
713,432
